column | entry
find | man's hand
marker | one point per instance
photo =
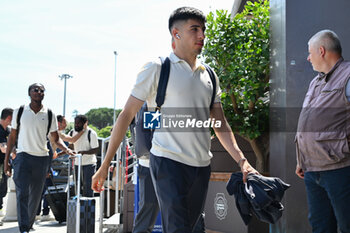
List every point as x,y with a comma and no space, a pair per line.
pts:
3,147
99,178
69,152
7,168
246,168
299,171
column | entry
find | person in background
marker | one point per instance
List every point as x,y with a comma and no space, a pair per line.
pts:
322,139
32,158
87,145
5,122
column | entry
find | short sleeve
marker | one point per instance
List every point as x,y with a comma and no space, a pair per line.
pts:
94,140
54,126
14,119
146,82
218,90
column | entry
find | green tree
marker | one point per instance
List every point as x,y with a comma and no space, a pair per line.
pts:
105,132
70,126
238,49
101,117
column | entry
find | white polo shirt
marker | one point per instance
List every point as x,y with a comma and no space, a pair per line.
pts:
32,133
83,144
186,89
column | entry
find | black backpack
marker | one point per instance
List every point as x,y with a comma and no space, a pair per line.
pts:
143,137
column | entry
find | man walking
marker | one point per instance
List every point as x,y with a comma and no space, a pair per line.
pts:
87,145
31,124
323,156
179,161
5,121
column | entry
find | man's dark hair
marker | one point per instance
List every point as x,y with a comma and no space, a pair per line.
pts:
60,118
35,85
185,13
6,112
81,118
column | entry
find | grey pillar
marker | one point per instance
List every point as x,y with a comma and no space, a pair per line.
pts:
292,24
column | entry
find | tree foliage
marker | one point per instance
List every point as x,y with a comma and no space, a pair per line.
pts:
238,49
105,132
101,117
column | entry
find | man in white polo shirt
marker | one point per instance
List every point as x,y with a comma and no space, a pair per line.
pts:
180,160
87,146
32,161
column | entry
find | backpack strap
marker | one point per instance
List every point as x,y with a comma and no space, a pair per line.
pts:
89,136
163,82
71,133
18,119
213,81
49,113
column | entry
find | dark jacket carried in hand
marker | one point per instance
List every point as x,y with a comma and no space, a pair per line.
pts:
260,195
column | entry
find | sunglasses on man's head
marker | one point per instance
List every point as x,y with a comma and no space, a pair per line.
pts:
37,90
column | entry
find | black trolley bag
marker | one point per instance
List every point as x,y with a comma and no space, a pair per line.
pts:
56,196
81,210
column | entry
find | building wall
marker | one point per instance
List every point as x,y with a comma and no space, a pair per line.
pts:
292,24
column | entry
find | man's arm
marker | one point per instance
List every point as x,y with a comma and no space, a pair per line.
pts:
91,151
131,107
74,138
60,144
227,139
11,141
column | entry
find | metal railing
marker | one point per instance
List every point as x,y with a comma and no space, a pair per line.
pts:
120,163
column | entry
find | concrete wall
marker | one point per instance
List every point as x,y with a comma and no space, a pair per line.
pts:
293,22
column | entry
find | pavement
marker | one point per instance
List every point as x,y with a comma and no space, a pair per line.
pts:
51,226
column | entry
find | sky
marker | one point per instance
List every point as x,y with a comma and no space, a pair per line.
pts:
40,40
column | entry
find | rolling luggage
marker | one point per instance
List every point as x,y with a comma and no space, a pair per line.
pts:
56,196
81,210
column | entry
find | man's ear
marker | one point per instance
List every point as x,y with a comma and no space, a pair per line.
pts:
322,51
9,119
174,33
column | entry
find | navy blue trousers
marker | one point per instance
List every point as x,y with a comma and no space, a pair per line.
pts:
181,191
29,176
46,207
328,195
87,171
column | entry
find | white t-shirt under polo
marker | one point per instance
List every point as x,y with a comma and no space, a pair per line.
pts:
186,89
32,133
83,144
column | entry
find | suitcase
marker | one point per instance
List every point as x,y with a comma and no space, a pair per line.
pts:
56,196
87,215
81,210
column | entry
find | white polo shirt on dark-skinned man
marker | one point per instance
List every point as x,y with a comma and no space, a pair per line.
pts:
32,134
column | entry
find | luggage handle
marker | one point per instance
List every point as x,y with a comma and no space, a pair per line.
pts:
77,225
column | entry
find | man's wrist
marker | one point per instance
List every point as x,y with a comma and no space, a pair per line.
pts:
241,161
